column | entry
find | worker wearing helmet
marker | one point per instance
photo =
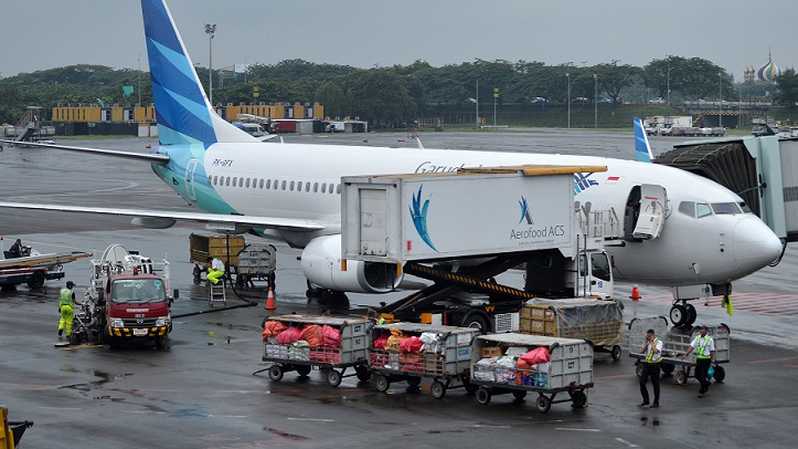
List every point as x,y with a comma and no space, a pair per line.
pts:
66,310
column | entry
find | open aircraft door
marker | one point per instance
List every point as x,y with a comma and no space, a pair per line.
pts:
646,210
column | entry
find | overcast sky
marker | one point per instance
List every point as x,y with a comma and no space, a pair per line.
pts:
39,34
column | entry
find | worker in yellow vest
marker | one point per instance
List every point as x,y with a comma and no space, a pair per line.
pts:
66,310
704,347
652,352
215,270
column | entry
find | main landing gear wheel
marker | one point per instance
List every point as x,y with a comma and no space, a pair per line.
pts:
276,373
483,396
543,404
679,315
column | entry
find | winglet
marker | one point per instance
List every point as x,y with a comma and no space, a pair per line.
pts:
642,147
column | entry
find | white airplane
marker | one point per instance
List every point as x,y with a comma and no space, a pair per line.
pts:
681,229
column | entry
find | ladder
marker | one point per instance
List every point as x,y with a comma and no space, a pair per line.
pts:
217,294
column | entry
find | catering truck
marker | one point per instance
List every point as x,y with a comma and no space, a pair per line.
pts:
460,231
132,298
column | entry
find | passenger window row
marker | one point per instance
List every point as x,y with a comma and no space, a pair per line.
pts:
274,184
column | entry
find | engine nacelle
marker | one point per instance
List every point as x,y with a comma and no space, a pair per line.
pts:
321,263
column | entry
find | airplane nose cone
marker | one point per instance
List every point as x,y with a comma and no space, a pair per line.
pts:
755,245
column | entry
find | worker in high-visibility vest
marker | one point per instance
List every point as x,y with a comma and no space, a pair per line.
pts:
215,270
66,310
652,352
704,347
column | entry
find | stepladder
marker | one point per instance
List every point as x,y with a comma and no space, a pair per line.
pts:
217,294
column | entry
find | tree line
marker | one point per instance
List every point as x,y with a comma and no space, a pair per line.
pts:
391,96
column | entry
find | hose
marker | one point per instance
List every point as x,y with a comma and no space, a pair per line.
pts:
247,303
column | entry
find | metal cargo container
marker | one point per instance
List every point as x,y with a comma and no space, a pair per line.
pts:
570,369
446,358
402,218
352,352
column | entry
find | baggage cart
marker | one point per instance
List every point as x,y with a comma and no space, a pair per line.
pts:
675,342
570,369
333,363
445,358
597,321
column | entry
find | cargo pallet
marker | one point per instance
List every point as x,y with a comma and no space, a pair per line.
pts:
448,369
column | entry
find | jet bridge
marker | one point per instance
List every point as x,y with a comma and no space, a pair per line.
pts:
762,170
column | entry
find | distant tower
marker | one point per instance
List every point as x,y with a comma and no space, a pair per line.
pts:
749,74
770,71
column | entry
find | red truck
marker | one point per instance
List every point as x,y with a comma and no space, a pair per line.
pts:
137,307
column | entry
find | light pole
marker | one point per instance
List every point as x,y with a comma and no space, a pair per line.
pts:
210,30
495,97
668,86
720,99
595,101
476,103
568,81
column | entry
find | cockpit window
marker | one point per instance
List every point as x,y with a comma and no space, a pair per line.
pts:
726,208
703,210
687,208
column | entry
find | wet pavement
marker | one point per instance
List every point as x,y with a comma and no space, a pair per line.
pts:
202,394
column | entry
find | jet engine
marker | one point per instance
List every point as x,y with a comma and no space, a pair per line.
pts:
321,263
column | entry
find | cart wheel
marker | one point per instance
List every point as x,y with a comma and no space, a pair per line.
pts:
276,373
470,388
543,404
414,381
616,353
579,399
680,377
363,373
720,374
381,383
639,369
334,377
438,389
303,370
667,369
483,395
679,315
519,395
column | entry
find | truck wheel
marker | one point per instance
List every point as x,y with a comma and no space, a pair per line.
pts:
276,373
162,343
483,396
36,280
438,389
543,404
477,320
303,370
616,353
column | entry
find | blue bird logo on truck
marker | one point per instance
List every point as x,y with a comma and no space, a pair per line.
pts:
419,214
524,211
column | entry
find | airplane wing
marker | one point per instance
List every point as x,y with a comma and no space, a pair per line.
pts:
149,157
214,221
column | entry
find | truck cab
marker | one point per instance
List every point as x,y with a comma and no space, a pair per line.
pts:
137,307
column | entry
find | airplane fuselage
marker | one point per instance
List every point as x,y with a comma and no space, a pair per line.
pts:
301,181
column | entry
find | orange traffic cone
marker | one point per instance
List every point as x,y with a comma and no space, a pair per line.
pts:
635,294
271,302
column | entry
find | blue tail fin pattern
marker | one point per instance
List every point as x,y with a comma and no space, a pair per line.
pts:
642,147
183,112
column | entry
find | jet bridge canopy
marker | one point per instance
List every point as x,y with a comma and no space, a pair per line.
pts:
762,170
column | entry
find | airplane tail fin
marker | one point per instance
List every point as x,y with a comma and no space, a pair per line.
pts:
184,114
642,147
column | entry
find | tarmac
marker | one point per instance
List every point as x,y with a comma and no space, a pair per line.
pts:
202,394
